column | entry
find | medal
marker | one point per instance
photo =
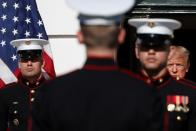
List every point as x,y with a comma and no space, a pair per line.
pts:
185,101
16,122
171,107
178,107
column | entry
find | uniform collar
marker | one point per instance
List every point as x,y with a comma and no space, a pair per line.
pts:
159,81
100,63
36,84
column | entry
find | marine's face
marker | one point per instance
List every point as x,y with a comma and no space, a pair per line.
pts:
152,59
178,66
31,68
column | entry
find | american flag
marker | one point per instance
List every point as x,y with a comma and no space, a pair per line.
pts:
20,19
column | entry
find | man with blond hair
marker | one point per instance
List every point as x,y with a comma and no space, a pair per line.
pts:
178,62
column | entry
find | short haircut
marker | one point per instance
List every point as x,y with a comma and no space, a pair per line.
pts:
100,35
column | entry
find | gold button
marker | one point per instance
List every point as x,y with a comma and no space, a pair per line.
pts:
160,80
27,83
179,118
32,91
37,83
32,99
177,78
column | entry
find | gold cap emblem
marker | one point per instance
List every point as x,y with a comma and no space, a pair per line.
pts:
27,42
151,24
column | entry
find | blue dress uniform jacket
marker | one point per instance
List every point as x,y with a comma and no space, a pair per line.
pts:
16,101
179,97
98,97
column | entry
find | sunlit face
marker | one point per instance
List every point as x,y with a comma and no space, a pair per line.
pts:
178,66
31,68
152,59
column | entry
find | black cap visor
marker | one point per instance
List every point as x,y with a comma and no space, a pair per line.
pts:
30,55
153,41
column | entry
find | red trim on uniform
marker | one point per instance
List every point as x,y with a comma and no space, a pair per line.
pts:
144,77
29,124
186,83
41,80
100,68
29,121
166,122
189,81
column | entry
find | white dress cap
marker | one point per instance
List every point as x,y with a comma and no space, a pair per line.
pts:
155,26
100,12
29,44
101,7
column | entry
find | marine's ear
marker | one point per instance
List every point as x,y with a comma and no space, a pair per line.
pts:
80,37
121,36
